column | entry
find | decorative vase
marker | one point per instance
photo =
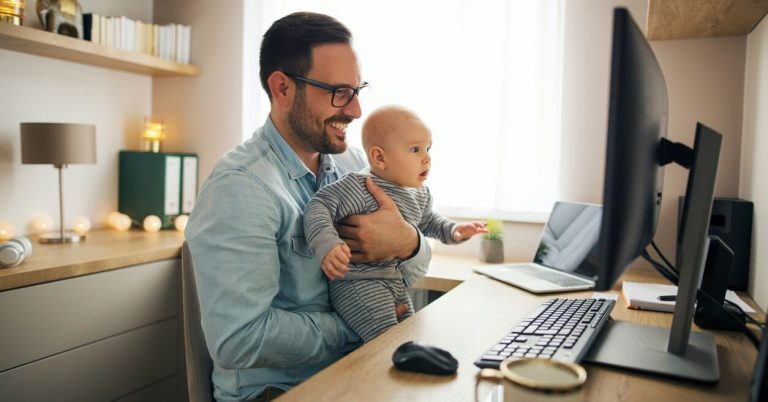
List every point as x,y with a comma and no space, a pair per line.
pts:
492,250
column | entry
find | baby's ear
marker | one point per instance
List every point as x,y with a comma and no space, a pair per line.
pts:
376,158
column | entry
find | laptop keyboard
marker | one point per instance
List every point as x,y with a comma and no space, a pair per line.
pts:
559,329
550,276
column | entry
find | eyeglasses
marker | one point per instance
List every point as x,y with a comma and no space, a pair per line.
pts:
342,94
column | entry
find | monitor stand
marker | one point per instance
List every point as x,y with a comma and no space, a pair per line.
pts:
676,352
644,348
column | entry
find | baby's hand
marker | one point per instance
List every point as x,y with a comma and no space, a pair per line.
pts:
335,264
467,230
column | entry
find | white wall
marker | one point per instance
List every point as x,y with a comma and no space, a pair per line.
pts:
586,71
50,90
203,114
754,164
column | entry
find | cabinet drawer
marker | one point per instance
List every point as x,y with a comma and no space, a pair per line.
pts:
166,390
101,371
42,320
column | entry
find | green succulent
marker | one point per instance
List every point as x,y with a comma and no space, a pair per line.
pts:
494,228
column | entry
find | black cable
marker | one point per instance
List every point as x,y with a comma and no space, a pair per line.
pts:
747,316
669,264
664,271
674,278
672,268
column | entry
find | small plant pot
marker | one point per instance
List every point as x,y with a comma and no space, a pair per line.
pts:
492,250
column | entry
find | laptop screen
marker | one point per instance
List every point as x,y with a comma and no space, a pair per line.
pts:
569,241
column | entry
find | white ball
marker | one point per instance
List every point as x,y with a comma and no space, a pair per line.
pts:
152,223
113,218
6,231
181,222
122,223
42,224
81,225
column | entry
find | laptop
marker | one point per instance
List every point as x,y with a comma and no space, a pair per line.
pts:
566,258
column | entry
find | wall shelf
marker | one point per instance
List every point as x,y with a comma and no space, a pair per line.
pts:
686,19
47,44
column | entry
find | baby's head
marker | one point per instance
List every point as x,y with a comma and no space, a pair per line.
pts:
397,144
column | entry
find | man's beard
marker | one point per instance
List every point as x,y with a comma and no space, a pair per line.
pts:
300,121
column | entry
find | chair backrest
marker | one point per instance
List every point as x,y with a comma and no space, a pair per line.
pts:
198,361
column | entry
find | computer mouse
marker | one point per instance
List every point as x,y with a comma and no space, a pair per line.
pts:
422,358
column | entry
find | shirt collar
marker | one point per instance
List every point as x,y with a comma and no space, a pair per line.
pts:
295,167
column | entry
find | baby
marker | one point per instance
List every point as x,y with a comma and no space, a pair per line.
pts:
397,144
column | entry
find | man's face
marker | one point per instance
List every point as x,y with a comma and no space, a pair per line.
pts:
313,119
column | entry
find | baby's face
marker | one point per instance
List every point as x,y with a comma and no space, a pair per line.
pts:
407,155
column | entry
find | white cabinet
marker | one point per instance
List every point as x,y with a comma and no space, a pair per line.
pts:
105,336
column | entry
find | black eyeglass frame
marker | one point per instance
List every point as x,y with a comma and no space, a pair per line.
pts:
333,89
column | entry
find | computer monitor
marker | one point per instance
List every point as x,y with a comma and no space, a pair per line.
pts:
635,153
637,122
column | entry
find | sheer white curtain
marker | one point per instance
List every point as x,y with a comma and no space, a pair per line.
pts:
484,75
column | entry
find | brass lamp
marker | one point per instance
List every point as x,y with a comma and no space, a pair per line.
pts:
12,11
58,144
153,135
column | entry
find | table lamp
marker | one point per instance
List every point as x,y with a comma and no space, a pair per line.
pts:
58,144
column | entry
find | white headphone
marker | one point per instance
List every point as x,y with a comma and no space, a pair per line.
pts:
14,251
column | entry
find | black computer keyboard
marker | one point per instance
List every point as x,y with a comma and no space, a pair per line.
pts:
559,329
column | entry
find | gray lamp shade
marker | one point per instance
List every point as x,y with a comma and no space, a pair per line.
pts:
57,143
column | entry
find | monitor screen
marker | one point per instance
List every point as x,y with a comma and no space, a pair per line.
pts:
637,121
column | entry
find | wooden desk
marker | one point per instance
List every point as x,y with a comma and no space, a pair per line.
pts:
472,317
103,250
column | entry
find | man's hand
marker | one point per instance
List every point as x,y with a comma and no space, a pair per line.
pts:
380,235
335,264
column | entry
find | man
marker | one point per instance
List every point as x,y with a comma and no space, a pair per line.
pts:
264,302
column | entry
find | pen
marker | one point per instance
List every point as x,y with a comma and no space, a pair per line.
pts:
667,298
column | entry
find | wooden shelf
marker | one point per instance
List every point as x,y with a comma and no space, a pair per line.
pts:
47,44
685,19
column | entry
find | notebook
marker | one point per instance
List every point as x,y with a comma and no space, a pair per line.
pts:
565,259
651,296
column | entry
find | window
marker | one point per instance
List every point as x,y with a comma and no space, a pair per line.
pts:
484,75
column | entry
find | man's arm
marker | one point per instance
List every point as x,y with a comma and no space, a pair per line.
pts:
385,235
232,234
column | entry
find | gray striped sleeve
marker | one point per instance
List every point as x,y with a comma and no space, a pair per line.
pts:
433,224
332,203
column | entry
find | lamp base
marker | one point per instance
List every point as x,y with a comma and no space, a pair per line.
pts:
55,238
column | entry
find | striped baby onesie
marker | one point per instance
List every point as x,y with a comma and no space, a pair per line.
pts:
367,296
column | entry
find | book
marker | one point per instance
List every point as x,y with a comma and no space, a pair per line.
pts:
647,296
88,26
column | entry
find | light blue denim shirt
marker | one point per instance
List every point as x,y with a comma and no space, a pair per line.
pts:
264,301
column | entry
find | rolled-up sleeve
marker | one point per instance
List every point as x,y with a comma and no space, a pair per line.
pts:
416,267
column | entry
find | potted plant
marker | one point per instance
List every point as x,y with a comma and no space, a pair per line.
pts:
492,245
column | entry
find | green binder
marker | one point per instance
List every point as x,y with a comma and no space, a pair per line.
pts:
162,184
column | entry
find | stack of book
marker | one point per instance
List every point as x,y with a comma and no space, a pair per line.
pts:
169,41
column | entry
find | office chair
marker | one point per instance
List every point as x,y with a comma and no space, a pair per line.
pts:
199,365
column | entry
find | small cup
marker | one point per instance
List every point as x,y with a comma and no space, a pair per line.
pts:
538,380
